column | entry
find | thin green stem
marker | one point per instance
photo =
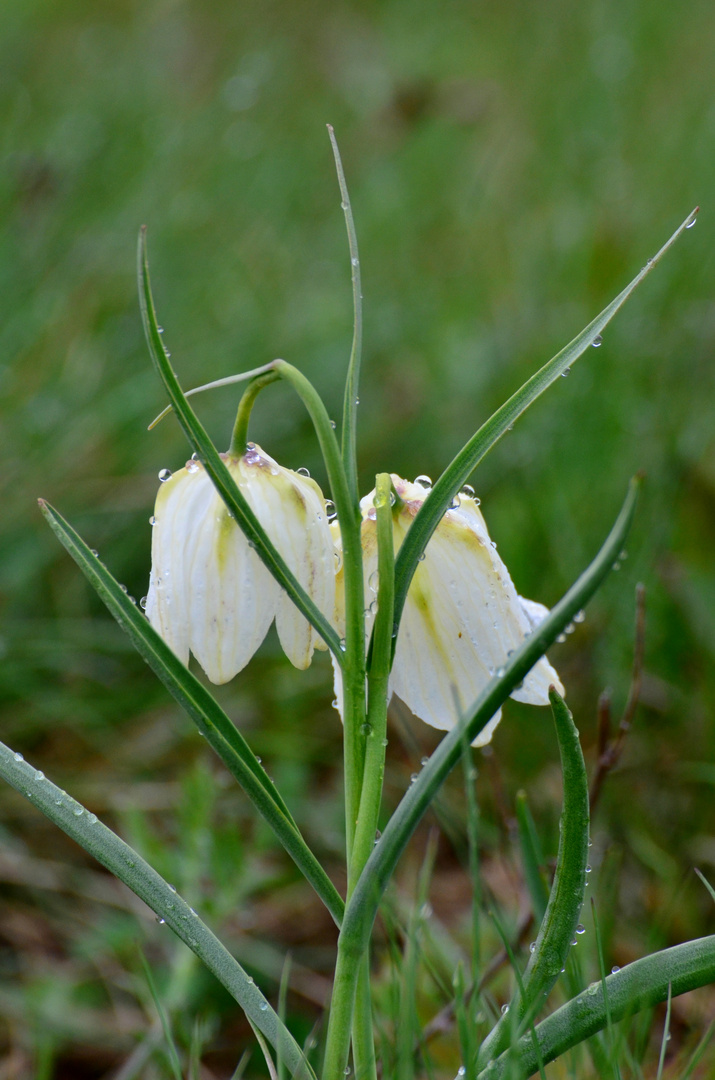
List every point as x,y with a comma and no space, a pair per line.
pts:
353,648
353,964
239,438
352,383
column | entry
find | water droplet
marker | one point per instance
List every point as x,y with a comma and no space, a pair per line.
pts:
346,1071
39,775
455,503
569,629
590,842
263,1006
333,425
302,471
165,475
691,223
615,969
94,552
424,761
504,1010
384,742
413,777
423,481
160,920
373,581
597,341
579,616
588,869
580,929
500,672
330,509
567,371
172,888
143,602
574,942
335,703
355,262
124,588
92,819
342,644
18,756
561,639
623,555
467,491
422,557
461,1071
192,466
78,811
58,801
532,947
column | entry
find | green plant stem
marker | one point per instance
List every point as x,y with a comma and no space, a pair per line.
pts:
362,905
355,966
239,438
640,985
353,653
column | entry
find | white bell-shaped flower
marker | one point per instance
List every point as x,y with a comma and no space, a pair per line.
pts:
462,617
209,592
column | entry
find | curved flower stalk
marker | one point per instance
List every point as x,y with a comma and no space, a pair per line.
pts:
209,592
462,619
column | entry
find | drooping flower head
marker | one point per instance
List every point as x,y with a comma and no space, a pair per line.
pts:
209,592
462,617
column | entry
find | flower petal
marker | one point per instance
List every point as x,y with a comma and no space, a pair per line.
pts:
291,509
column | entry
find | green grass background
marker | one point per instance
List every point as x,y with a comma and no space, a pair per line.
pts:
511,167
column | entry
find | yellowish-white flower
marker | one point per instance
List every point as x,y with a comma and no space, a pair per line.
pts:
462,617
209,592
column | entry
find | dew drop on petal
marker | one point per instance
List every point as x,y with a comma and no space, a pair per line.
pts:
165,475
455,503
152,520
302,471
423,481
143,602
467,491
192,466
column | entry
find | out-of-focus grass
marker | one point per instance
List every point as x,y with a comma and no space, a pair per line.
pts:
510,167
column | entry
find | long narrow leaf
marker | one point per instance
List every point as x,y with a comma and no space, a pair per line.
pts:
127,865
362,907
564,908
459,470
215,467
352,382
206,713
640,985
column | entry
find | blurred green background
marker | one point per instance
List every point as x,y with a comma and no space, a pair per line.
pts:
511,168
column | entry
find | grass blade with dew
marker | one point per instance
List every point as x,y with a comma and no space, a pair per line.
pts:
639,985
560,921
126,864
216,469
352,382
205,712
459,470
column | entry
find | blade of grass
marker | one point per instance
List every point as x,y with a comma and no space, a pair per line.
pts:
640,985
531,856
459,470
208,716
127,865
666,1034
215,467
352,382
173,1054
705,882
553,942
606,1004
362,907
